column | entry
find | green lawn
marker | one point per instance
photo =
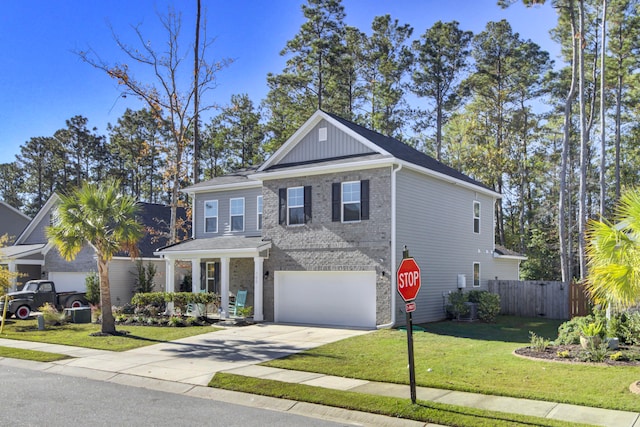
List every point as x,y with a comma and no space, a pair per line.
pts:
38,356
427,412
79,335
473,357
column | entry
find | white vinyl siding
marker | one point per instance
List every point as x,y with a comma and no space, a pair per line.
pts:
432,220
211,216
236,214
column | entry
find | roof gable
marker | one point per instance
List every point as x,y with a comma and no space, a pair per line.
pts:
349,143
372,143
35,224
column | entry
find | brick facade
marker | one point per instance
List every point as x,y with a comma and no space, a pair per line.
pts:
324,245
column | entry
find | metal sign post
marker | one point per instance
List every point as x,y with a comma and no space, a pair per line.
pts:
408,283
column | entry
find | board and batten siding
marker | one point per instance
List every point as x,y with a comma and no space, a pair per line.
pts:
224,221
337,144
435,221
38,233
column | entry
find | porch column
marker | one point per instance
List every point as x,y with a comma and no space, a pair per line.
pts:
196,281
257,288
169,280
224,286
170,273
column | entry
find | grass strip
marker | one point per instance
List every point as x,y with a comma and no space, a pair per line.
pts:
79,335
473,357
424,411
35,355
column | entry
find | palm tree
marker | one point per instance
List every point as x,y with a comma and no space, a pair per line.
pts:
97,214
613,252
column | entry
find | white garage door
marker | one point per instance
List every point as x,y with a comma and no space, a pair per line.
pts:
66,281
332,298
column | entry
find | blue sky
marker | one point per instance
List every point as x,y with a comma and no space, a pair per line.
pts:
43,82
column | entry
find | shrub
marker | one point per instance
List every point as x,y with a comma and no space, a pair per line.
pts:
630,328
595,353
538,343
145,276
565,354
488,306
457,307
92,282
51,316
475,295
569,331
176,321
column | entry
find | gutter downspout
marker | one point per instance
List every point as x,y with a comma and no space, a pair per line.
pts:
394,264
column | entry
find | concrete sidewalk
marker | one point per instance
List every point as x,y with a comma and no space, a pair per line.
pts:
186,367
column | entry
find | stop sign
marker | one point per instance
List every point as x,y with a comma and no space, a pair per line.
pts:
408,279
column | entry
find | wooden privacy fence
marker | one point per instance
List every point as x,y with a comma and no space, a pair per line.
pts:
530,298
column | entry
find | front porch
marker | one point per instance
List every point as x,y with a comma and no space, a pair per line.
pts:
25,261
223,265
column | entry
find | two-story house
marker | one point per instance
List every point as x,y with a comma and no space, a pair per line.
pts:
316,233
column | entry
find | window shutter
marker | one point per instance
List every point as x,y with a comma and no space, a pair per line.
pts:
307,204
282,206
364,199
336,201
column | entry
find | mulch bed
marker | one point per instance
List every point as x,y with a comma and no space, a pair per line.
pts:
574,351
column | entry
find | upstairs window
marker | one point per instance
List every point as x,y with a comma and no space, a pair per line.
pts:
350,201
476,217
295,205
211,216
236,211
259,203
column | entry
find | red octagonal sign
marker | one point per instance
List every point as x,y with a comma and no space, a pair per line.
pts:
408,279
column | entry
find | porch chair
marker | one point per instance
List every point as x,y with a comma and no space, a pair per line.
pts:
241,299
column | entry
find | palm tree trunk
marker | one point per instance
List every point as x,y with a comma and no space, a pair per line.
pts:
108,321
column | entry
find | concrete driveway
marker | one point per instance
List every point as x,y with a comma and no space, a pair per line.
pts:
196,359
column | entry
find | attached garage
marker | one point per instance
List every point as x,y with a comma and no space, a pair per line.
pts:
68,281
330,298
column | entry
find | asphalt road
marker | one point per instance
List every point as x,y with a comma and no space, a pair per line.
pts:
33,398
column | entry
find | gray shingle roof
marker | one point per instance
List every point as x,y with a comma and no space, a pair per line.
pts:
405,152
224,243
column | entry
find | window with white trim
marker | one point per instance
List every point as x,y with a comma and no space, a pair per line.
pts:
476,217
236,213
476,274
295,205
211,216
259,204
350,201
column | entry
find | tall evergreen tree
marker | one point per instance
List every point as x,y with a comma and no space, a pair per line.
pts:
387,61
11,184
440,61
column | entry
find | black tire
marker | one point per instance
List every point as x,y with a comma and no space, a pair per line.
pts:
23,312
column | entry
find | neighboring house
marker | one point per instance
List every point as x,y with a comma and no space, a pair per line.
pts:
34,257
12,221
316,233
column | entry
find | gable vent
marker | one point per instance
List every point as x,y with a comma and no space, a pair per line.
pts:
322,134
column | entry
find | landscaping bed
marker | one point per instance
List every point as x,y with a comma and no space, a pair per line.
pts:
574,353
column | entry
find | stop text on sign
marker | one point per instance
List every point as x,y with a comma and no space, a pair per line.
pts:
408,279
